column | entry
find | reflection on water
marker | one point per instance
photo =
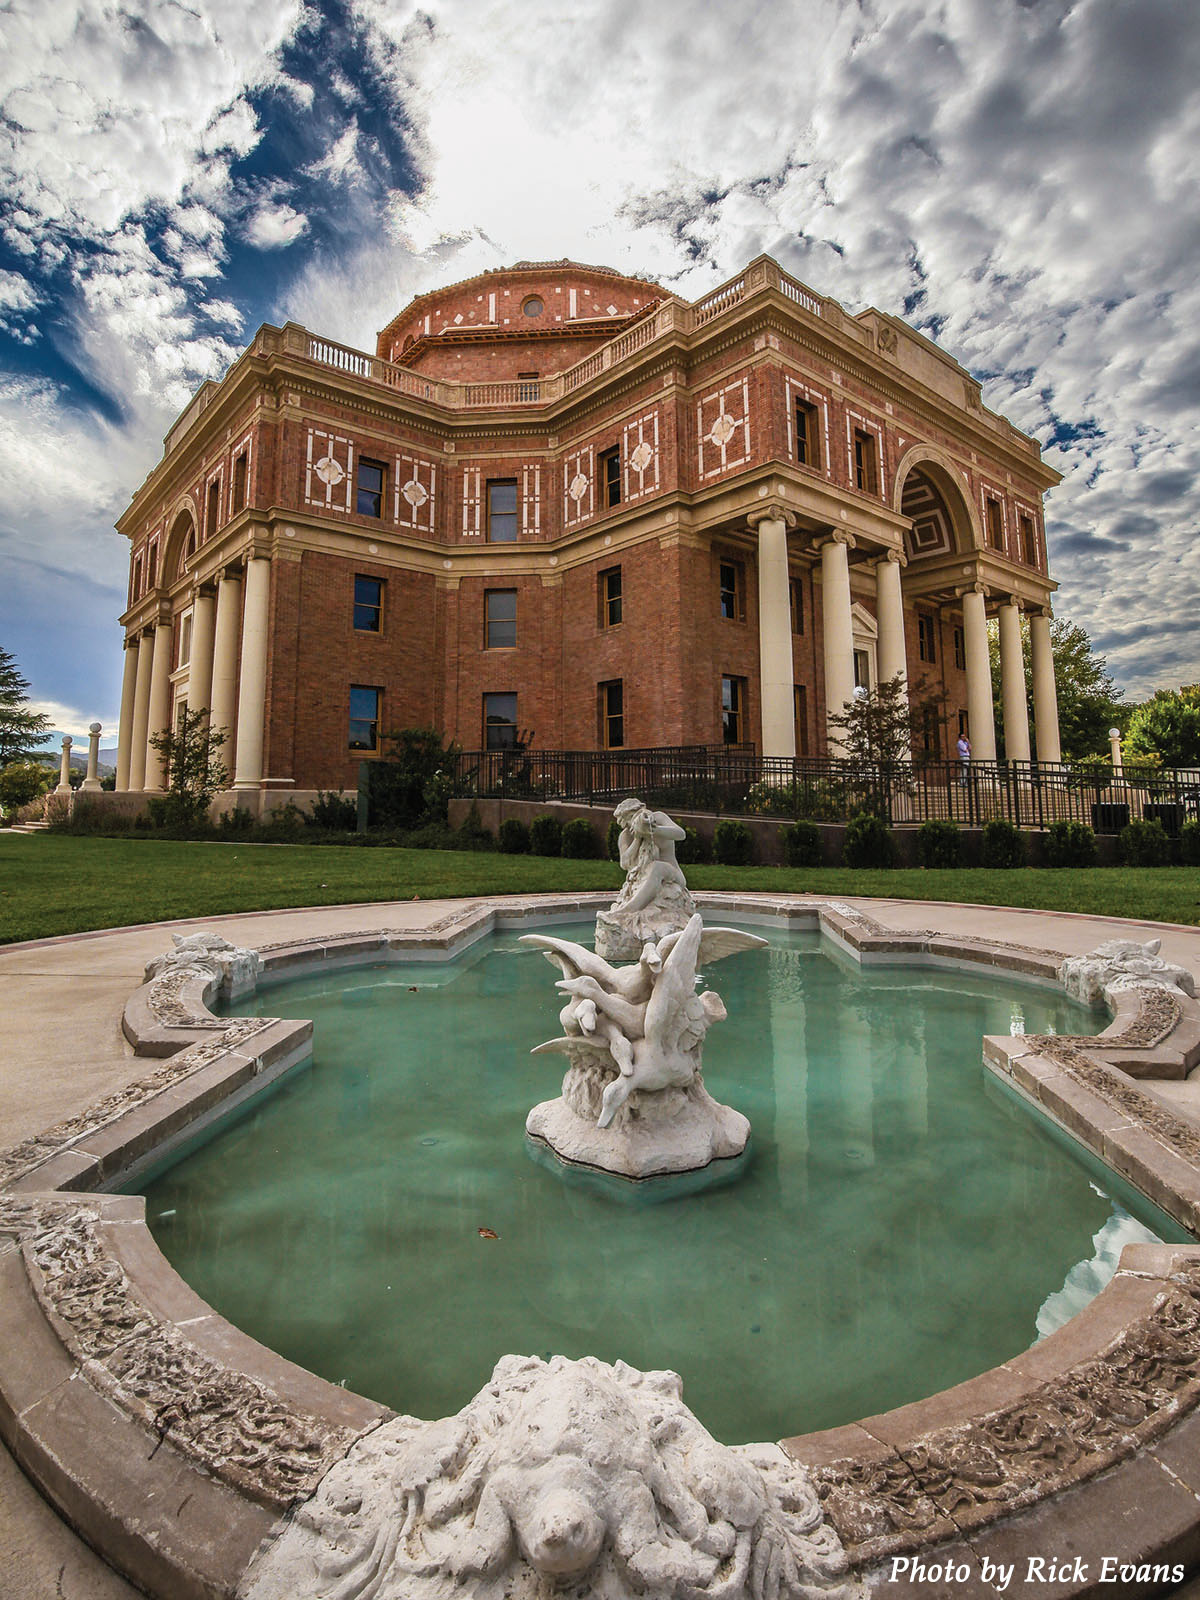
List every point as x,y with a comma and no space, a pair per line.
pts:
899,1224
1086,1278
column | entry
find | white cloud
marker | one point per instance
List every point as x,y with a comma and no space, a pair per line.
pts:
273,226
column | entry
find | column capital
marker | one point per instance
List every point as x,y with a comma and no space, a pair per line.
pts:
973,588
1011,600
897,556
771,512
1041,611
835,536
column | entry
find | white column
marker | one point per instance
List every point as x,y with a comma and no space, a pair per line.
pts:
980,712
200,667
227,631
1114,750
64,767
1012,684
125,732
1045,695
159,719
889,614
838,628
775,672
92,781
141,711
252,685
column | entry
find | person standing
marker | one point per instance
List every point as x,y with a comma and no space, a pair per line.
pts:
964,755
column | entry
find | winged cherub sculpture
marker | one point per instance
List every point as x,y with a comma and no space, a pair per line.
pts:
638,1030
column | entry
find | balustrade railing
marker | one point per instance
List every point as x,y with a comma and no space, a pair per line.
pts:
734,780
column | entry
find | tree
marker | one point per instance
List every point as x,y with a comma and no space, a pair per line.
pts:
194,771
879,728
21,782
1089,702
21,730
1167,728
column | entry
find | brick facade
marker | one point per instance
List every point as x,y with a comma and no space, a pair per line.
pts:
618,428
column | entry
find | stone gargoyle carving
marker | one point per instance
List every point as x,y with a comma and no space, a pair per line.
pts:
654,898
1121,964
560,1477
639,1031
208,955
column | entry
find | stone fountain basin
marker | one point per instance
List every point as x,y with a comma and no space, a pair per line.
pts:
176,1445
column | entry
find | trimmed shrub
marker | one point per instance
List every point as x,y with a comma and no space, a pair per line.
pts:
1143,844
1189,843
333,811
545,835
473,834
579,840
691,849
1003,845
236,823
868,843
802,845
733,843
612,840
512,837
1070,844
939,843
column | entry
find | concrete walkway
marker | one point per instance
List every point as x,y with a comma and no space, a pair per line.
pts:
62,1048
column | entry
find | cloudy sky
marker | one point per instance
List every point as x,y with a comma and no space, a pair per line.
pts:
1018,178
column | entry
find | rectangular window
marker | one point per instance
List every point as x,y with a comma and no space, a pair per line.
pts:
612,714
500,721
800,713
796,598
962,723
732,581
866,465
995,523
364,717
185,639
136,591
610,597
502,510
368,604
212,516
862,669
808,450
733,709
241,467
926,642
960,649
608,471
930,733
500,619
152,566
528,387
369,484
1028,540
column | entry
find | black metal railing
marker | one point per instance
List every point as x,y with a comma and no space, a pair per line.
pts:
733,780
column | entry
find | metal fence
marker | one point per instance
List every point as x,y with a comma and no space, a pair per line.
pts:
733,780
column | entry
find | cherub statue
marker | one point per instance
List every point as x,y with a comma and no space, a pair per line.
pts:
647,1018
654,898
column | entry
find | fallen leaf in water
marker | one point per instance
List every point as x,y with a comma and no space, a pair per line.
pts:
486,1233
412,988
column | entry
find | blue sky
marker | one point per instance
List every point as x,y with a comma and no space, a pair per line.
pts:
1016,177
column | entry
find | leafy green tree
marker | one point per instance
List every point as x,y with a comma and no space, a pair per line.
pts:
1089,702
1167,728
195,773
413,784
23,781
880,727
21,730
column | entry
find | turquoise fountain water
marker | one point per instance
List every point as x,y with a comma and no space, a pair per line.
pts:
902,1223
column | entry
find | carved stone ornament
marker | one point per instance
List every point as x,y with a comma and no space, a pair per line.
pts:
207,955
641,456
654,898
722,430
633,1101
577,487
1121,964
561,1478
415,493
885,340
330,472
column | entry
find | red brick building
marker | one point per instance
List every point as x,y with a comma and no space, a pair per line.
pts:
564,507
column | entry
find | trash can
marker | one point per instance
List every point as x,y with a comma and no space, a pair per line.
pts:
1168,812
1109,817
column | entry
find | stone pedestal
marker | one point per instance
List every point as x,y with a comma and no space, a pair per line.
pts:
669,1130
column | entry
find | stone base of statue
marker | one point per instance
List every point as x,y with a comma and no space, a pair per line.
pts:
622,935
653,1134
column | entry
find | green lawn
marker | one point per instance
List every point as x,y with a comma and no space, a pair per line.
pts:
52,885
